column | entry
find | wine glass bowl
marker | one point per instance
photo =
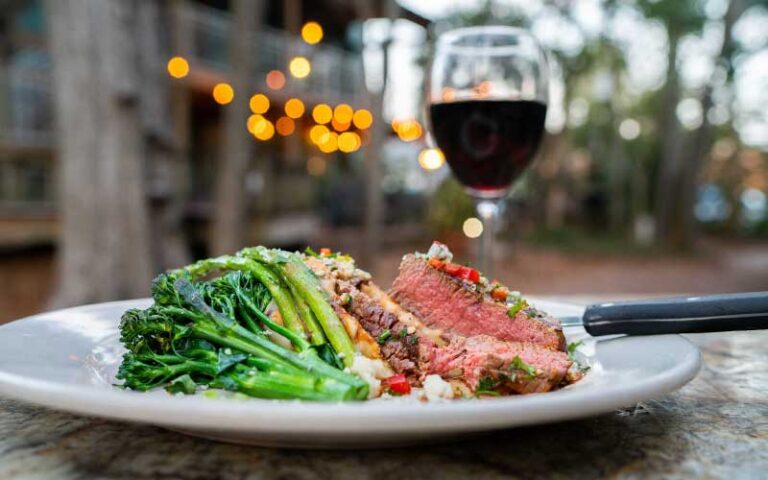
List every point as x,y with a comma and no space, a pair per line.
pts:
487,98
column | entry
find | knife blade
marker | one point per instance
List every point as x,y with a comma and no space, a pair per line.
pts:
690,314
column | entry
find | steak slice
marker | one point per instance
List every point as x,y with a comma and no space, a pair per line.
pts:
481,362
441,301
491,365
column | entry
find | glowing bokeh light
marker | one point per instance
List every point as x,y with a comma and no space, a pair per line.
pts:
299,67
178,67
317,133
340,127
256,124
275,80
322,113
408,130
294,108
312,32
223,93
362,119
285,126
349,142
259,103
267,132
343,113
431,158
472,227
329,142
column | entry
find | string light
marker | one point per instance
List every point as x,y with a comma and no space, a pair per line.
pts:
431,158
294,108
178,67
343,113
322,113
275,80
223,93
299,67
259,103
362,119
256,124
329,142
285,126
340,127
408,130
267,132
317,133
349,142
312,32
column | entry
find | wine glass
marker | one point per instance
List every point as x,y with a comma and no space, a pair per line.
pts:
487,97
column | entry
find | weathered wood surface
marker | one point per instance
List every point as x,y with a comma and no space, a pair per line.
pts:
715,427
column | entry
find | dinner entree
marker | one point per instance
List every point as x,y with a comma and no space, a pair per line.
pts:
269,323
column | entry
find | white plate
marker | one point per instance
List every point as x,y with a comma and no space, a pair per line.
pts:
67,360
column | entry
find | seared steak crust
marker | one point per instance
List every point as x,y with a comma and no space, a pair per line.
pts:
398,347
441,301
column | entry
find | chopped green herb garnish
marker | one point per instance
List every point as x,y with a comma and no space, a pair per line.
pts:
309,251
346,299
519,365
403,332
519,304
487,386
384,336
413,340
572,348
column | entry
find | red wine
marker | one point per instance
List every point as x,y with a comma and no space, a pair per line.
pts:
488,143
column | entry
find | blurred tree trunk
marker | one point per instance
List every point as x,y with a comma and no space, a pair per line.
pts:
669,170
702,137
230,220
373,171
104,252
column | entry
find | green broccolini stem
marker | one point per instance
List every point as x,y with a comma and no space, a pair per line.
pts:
210,325
288,386
280,293
308,286
316,335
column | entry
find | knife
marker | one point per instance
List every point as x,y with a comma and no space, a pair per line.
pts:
692,314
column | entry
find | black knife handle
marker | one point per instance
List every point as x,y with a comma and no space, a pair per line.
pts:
709,313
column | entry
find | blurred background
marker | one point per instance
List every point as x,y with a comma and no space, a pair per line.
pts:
136,136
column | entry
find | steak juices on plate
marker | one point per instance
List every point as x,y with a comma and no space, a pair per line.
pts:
443,319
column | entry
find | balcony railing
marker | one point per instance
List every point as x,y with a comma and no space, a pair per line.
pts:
337,75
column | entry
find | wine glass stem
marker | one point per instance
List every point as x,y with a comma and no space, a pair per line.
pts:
488,211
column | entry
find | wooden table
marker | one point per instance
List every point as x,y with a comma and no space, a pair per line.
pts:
715,427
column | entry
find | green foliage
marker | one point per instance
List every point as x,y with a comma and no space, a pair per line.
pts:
449,207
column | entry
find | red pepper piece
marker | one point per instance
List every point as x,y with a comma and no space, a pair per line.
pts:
468,273
325,252
397,384
452,269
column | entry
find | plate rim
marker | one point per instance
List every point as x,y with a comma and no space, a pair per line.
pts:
259,416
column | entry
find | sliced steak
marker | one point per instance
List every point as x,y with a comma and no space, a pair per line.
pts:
406,351
442,301
488,364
